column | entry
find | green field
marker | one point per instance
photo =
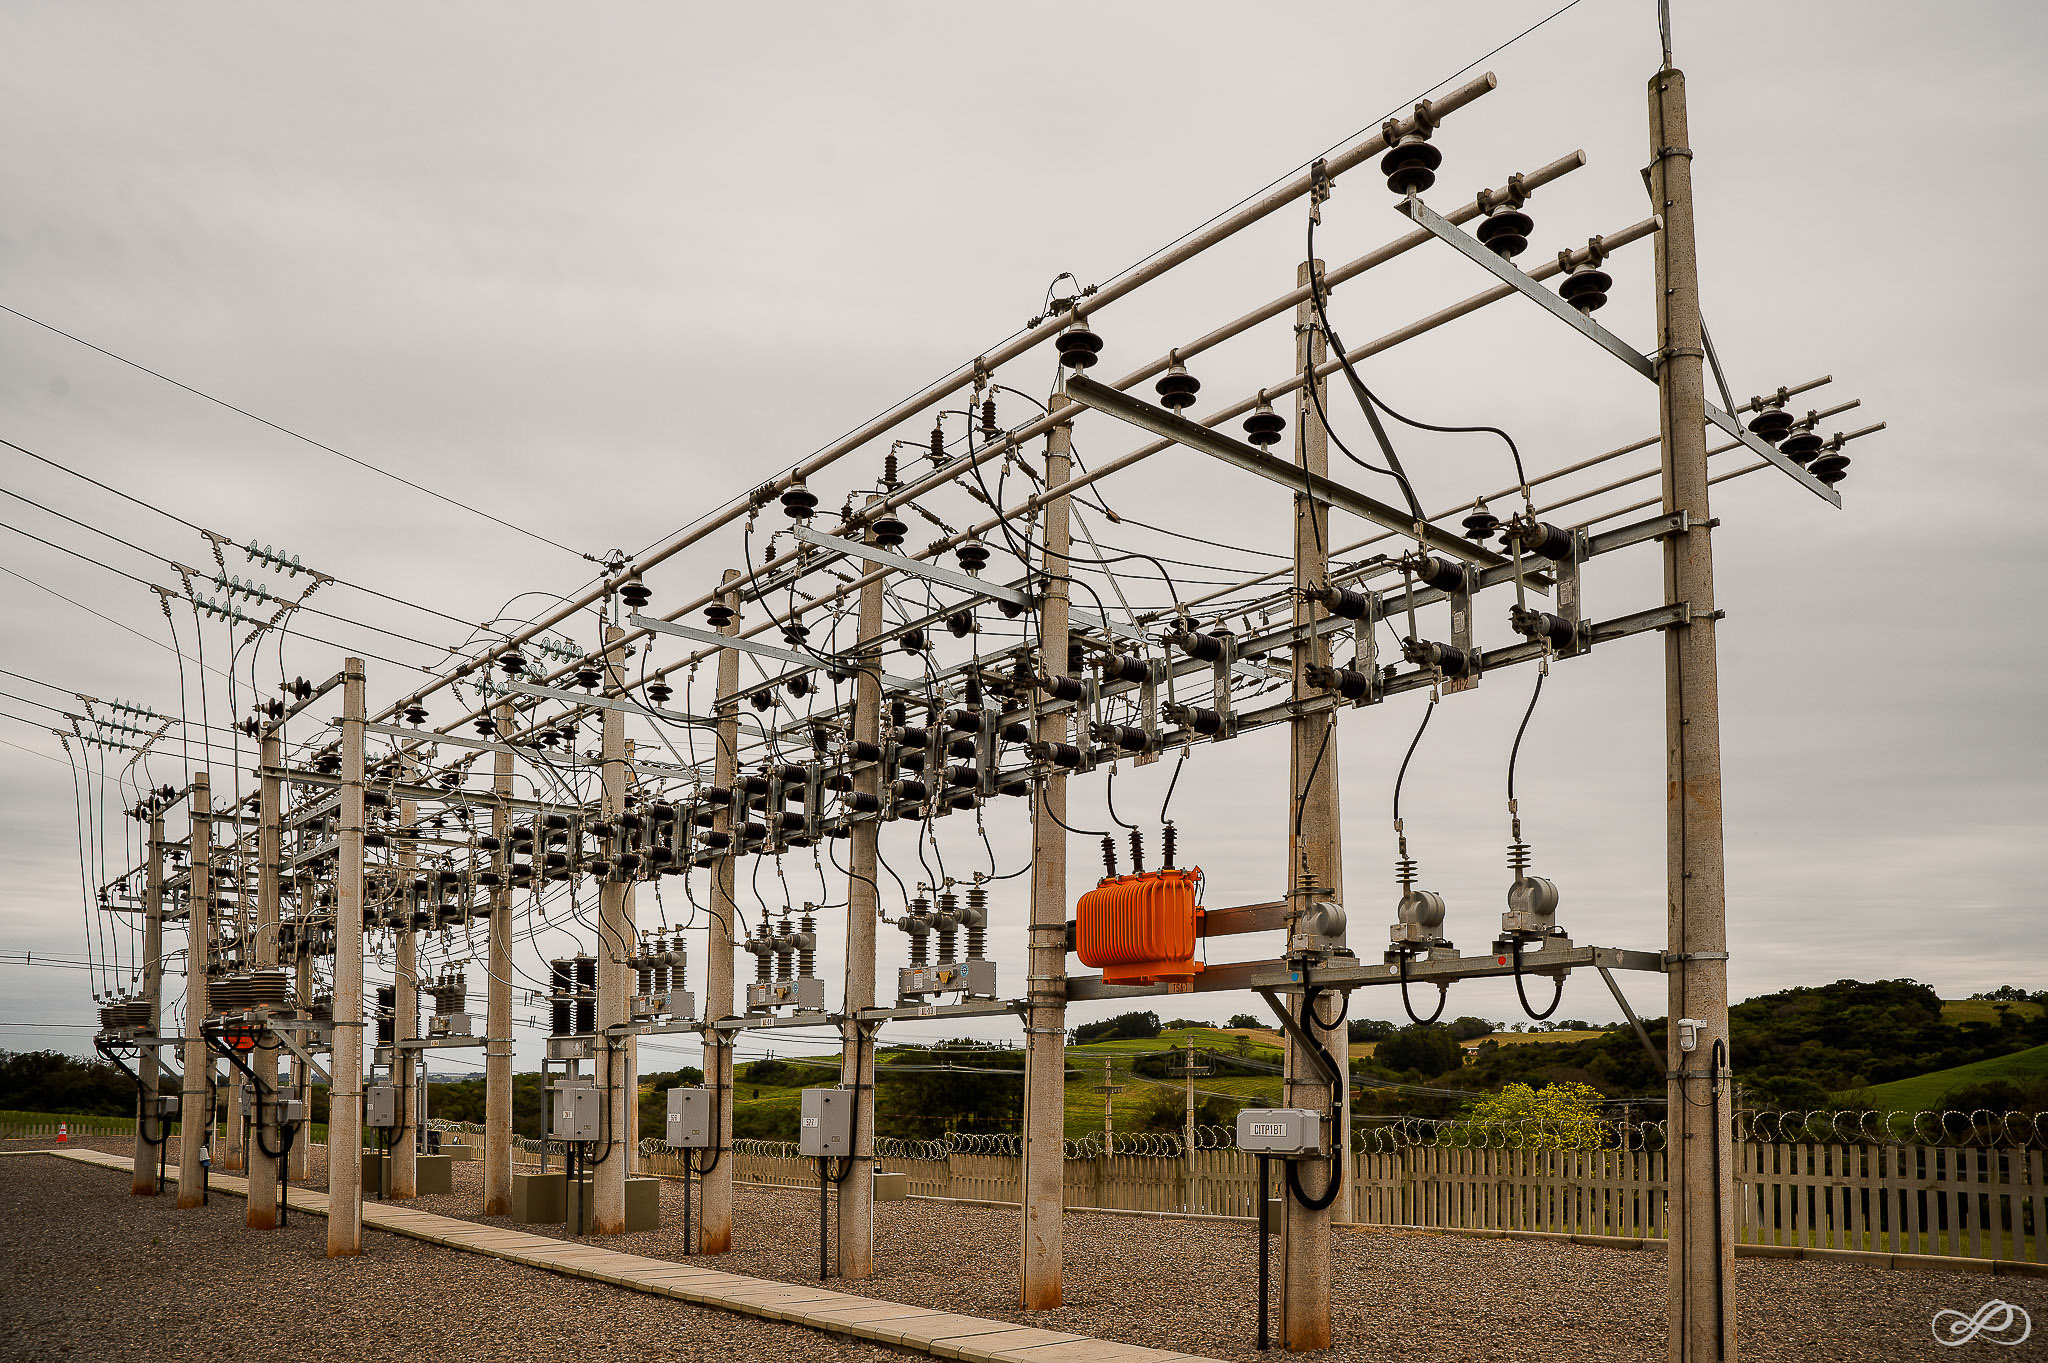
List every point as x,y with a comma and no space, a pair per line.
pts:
1958,1011
780,1101
1925,1092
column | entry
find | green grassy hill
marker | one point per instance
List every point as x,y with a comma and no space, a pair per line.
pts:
1925,1092
1084,1075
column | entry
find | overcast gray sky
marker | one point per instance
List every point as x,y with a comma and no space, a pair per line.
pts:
595,269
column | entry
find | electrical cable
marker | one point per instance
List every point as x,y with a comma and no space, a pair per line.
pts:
1420,729
1516,752
286,430
1369,399
1443,995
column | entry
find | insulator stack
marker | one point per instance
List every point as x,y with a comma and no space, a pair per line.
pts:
976,919
1411,165
1833,466
1177,387
799,503
763,946
807,947
989,429
1137,852
561,997
785,951
1079,348
586,994
917,924
1538,626
947,922
1264,425
1506,231
1771,425
1802,445
1170,839
1586,288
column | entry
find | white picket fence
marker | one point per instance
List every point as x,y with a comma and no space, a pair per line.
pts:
1970,1202
1967,1201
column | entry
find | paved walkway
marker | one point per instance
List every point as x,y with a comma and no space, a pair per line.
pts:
938,1333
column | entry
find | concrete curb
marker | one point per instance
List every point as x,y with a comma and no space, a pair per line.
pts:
1864,1258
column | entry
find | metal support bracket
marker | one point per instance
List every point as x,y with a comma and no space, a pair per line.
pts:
1521,283
1215,444
655,625
1309,1045
1642,1032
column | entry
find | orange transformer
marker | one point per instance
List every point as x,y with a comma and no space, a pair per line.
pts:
1141,929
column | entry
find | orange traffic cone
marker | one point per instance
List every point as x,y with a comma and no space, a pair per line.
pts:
63,1132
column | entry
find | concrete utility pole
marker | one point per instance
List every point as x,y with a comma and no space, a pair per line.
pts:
195,1111
1045,1018
863,906
1702,1199
263,1170
234,1135
147,1064
498,994
302,989
615,941
405,1011
1315,859
345,1094
715,1227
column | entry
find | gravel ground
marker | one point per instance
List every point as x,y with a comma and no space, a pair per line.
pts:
1399,1295
89,1272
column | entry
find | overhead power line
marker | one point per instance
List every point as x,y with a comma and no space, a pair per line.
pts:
200,529
318,445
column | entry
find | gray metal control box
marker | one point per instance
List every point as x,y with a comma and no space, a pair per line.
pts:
290,1111
975,979
689,1119
805,993
827,1129
169,1106
380,1105
576,1113
1279,1130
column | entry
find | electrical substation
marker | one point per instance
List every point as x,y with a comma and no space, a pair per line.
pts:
848,680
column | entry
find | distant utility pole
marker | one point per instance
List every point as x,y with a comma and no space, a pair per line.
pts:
1109,1088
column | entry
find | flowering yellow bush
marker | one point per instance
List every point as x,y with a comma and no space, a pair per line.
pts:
1563,1116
